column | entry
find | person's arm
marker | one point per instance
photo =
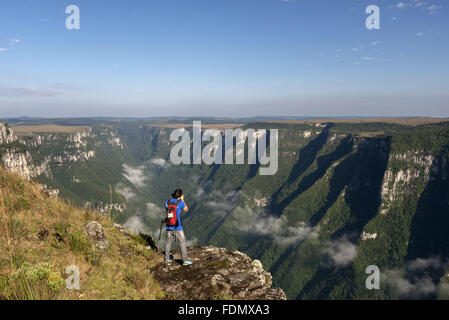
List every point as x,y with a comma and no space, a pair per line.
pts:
186,208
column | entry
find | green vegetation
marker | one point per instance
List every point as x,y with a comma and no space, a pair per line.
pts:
335,178
40,239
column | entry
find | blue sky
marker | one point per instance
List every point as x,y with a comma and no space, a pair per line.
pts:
224,58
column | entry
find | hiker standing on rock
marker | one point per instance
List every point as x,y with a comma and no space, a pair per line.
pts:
174,208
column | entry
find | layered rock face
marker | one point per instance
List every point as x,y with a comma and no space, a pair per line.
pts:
18,158
6,134
414,167
106,207
22,164
96,232
216,273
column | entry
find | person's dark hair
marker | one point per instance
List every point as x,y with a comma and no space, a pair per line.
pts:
177,193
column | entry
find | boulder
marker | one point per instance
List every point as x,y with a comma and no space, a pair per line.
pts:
216,273
96,233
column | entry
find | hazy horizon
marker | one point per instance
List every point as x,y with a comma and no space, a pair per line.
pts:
224,58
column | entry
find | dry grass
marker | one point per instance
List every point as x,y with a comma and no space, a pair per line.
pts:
47,128
26,213
371,134
219,126
407,121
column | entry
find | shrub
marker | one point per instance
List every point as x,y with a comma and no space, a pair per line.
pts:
78,243
55,281
33,282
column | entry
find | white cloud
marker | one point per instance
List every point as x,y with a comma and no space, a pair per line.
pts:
13,41
277,228
154,211
414,280
135,175
341,252
375,43
419,264
406,288
419,3
135,225
368,58
432,9
159,162
419,34
127,192
252,221
296,234
202,188
221,204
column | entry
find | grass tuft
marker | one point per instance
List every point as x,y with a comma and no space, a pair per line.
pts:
41,237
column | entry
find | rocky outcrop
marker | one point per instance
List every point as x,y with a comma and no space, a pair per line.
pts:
115,141
368,236
104,208
6,134
401,177
262,202
51,193
21,161
96,233
74,157
79,139
22,164
216,273
40,139
295,138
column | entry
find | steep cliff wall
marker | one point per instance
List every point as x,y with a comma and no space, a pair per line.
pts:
342,199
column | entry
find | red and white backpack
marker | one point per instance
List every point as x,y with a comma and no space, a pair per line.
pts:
172,213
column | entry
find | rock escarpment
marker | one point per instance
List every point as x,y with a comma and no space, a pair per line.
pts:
216,273
6,134
53,150
96,232
22,164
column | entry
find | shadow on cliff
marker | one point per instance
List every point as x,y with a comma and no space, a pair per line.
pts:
362,174
307,156
429,228
340,178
